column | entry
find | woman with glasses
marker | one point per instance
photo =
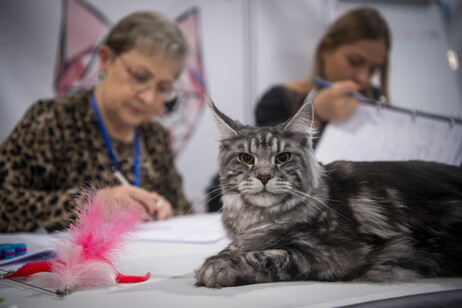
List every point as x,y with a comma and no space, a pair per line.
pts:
104,136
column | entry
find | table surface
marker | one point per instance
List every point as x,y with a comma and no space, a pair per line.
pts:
172,267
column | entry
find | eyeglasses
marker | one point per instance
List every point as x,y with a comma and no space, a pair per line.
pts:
142,81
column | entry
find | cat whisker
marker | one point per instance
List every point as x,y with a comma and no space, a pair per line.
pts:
195,207
239,195
217,189
300,193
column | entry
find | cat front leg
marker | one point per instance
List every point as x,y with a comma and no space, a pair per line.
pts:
234,269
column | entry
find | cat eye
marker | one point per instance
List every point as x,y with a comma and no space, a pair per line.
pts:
246,158
282,158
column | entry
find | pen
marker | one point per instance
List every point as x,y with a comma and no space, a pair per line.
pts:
120,177
123,180
320,82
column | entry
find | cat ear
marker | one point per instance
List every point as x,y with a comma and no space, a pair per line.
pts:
224,124
302,121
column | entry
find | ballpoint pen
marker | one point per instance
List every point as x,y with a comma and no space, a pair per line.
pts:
320,82
120,177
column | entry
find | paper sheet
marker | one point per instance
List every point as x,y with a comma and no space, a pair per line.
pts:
198,228
386,134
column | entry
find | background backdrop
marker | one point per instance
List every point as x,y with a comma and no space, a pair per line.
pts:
247,46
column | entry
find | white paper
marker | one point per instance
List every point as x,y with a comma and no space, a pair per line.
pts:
199,228
372,134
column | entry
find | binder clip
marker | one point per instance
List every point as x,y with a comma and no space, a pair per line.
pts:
381,102
453,120
415,112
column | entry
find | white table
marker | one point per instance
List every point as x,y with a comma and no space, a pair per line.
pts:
172,267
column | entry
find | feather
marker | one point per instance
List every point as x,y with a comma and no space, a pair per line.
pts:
72,270
30,269
101,226
86,257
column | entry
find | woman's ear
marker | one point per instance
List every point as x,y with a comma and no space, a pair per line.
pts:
105,55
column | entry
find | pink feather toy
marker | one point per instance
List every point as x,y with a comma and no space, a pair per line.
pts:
86,258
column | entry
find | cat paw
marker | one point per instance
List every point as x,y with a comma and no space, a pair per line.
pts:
217,272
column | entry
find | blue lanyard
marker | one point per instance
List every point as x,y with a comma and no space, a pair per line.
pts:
107,141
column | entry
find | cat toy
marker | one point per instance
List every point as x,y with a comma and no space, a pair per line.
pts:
85,258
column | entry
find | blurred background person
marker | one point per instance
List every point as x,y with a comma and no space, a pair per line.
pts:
354,49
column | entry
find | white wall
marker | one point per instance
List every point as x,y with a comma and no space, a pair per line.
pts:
285,36
248,45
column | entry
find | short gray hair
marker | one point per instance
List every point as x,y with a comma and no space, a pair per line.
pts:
150,31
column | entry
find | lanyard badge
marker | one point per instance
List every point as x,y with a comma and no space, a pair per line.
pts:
107,141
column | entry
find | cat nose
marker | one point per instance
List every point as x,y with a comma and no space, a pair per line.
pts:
264,178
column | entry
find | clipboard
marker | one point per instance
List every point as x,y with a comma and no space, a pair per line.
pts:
378,132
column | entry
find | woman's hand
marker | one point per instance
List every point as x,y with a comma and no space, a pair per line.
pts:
335,103
152,205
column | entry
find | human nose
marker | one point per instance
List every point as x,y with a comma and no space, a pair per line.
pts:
362,77
148,96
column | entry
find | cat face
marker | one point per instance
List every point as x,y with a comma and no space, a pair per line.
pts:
264,166
267,166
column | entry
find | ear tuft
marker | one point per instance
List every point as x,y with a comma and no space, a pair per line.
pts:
224,124
302,121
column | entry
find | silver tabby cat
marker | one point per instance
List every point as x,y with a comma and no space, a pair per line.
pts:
291,218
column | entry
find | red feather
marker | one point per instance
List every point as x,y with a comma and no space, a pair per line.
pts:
30,269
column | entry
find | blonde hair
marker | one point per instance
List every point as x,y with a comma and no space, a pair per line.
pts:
359,24
152,32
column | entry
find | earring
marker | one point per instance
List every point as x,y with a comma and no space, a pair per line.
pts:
102,74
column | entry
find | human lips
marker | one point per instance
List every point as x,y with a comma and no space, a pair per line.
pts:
137,110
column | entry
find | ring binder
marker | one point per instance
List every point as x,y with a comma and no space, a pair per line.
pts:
393,133
415,112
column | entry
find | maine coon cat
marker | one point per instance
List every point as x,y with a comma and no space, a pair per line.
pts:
291,218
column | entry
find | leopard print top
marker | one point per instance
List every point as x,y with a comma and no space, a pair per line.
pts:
57,148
